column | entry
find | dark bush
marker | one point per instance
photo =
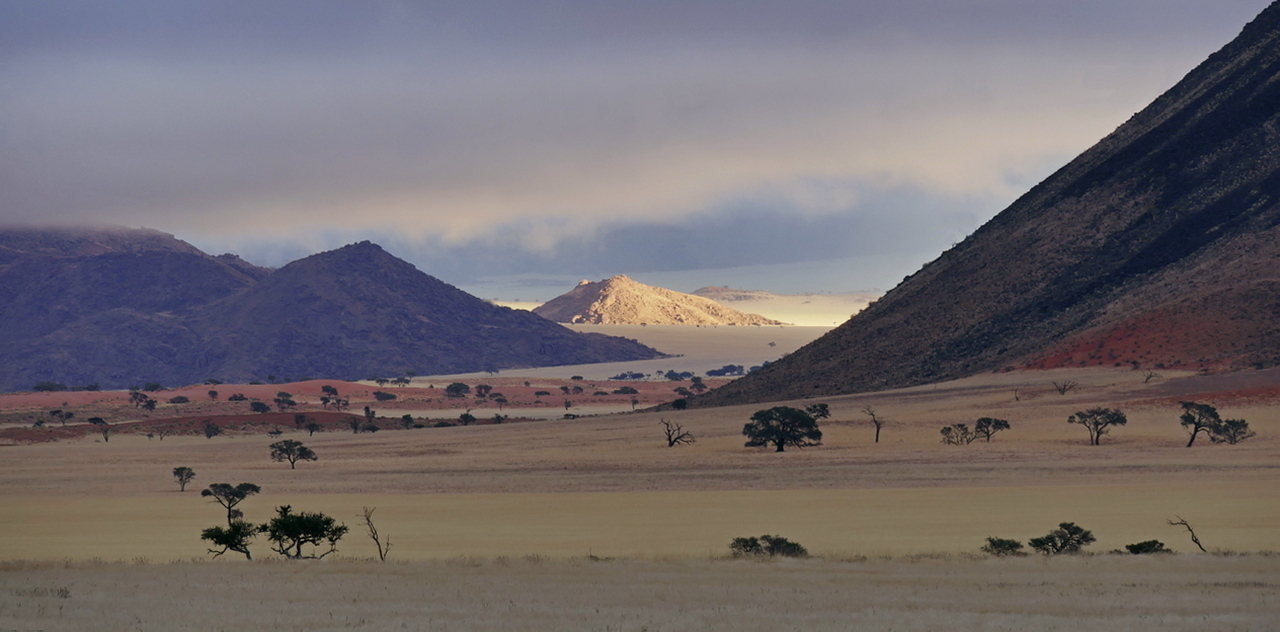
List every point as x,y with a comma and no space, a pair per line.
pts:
1066,539
1001,547
45,387
180,399
770,545
383,397
1146,548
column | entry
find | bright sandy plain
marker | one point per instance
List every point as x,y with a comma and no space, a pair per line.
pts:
466,506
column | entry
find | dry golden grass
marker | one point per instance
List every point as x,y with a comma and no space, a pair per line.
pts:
608,486
1153,593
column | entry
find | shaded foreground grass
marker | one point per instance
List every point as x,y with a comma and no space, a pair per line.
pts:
1165,593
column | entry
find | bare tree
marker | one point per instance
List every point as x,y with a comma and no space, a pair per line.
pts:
958,434
1180,522
1065,387
1148,375
383,547
1017,396
676,435
875,420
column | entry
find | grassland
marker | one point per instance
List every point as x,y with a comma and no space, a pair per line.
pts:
1165,594
464,506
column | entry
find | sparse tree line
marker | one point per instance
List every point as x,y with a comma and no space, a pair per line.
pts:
295,536
784,426
1071,539
1067,539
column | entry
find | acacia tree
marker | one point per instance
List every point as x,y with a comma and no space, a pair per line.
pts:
211,429
1231,431
103,427
1198,418
782,426
1098,421
183,475
289,532
988,426
291,451
234,537
229,496
1067,538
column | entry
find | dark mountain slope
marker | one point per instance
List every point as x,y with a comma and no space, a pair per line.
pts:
357,312
1133,231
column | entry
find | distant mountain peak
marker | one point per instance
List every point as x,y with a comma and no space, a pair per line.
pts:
620,300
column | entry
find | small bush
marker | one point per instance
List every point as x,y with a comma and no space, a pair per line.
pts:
1066,539
384,397
180,399
1000,547
767,545
46,387
1146,548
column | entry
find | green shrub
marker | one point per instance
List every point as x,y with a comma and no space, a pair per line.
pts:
1001,547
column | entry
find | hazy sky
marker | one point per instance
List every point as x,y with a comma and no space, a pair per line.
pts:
784,145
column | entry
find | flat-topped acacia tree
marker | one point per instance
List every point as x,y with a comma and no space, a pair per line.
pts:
1098,421
229,496
782,426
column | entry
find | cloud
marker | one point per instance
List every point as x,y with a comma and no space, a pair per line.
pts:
548,127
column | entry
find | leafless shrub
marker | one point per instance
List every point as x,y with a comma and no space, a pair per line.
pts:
1065,387
383,547
676,434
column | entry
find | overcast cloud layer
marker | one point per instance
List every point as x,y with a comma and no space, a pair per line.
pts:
486,139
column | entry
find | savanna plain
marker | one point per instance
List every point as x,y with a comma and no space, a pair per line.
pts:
593,523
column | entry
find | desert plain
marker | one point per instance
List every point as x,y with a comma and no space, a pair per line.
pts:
593,523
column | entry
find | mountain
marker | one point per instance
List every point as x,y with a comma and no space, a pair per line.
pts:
119,307
358,311
1159,246
621,301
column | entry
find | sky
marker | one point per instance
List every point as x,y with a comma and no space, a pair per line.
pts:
512,147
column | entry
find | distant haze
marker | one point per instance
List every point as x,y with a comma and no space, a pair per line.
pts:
796,146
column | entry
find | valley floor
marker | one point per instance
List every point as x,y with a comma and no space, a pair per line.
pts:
1154,593
466,507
